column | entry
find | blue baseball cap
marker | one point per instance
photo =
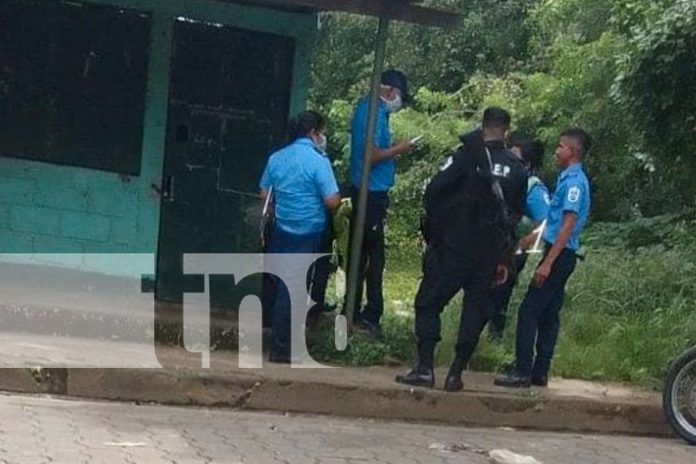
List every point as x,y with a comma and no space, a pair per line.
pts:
397,79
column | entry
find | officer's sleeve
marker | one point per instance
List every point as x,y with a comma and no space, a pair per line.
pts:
573,196
451,171
382,133
537,203
325,179
266,182
356,124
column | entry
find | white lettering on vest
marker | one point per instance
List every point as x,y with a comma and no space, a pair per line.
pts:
500,170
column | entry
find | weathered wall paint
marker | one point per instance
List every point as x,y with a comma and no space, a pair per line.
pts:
47,208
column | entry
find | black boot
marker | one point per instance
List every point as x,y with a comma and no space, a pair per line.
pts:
453,382
539,374
417,377
464,350
540,380
422,375
513,379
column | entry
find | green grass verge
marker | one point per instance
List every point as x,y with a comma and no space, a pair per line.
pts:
630,307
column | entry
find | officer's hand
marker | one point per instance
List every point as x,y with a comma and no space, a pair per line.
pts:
541,274
500,276
526,242
402,146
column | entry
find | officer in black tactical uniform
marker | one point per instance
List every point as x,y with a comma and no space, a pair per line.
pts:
472,207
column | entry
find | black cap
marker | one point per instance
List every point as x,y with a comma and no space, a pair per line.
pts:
397,79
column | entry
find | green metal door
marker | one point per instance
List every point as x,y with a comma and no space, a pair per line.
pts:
228,106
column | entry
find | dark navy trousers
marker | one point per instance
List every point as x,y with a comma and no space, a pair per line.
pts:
372,257
538,321
445,273
287,243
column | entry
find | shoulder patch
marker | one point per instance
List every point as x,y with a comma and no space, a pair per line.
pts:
448,162
574,194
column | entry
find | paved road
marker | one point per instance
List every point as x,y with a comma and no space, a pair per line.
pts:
45,430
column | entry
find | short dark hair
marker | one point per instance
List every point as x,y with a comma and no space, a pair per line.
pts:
581,136
532,152
302,124
496,117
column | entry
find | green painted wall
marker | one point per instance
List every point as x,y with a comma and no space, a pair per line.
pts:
46,208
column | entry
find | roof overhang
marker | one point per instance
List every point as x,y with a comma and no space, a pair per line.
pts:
400,10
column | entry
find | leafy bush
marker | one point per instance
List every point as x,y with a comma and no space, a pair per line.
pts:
622,70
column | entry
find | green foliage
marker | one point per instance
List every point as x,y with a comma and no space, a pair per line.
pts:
657,88
581,21
394,347
622,69
396,343
575,92
492,39
630,307
342,60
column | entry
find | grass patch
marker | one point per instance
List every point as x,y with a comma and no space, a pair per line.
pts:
630,308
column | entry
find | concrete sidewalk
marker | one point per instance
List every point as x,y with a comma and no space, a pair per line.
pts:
55,317
352,392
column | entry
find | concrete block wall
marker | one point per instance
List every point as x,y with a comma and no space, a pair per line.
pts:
47,208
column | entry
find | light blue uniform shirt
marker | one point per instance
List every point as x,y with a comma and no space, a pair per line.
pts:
301,177
382,173
573,195
538,201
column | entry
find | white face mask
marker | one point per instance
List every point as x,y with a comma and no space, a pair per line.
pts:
321,143
394,105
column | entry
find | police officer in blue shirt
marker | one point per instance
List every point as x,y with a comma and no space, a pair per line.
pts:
539,314
531,153
304,191
393,94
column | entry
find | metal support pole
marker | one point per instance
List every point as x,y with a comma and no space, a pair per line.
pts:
360,208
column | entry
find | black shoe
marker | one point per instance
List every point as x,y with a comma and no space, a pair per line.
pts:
417,378
513,380
540,381
453,383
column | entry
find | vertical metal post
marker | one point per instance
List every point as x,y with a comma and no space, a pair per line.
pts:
360,208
